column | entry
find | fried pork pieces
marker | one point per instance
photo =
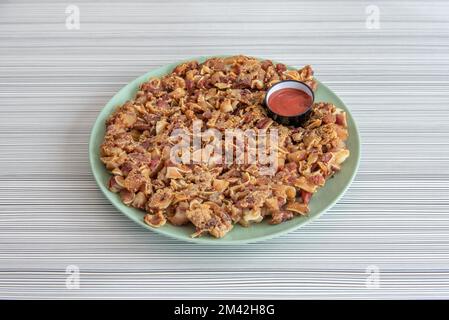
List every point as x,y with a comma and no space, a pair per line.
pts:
223,93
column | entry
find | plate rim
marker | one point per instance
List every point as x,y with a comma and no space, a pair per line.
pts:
209,240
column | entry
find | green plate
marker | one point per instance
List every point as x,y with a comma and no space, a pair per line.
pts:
321,201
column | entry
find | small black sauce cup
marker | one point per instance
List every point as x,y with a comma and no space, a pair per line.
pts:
293,120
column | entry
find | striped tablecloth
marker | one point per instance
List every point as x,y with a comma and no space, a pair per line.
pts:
387,238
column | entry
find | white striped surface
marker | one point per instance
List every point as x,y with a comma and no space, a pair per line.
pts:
54,81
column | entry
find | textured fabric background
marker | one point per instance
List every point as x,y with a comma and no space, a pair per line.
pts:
394,219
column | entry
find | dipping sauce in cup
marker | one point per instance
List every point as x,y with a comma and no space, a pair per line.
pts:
289,102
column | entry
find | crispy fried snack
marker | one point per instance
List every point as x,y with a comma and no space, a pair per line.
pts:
223,93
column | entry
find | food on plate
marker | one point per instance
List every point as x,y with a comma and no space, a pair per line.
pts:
222,93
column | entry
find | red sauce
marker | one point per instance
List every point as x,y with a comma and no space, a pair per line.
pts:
289,102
